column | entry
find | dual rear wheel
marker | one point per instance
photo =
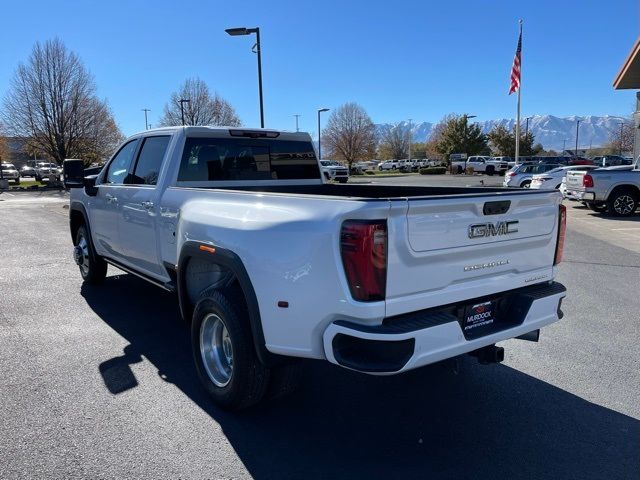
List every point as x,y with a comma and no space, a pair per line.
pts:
225,354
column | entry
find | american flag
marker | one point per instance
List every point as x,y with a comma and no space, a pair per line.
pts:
515,69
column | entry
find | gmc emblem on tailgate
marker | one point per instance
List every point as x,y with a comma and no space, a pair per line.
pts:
489,229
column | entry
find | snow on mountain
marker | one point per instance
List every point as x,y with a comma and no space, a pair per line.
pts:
552,132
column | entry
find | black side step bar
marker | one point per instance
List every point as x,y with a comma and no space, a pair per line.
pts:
168,286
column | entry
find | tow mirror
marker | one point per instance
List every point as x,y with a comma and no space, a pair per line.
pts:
73,173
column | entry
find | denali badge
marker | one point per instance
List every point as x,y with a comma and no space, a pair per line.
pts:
492,230
480,266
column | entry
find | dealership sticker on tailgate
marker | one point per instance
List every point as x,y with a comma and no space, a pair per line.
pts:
478,315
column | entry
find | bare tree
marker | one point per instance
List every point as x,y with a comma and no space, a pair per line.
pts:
203,108
395,142
350,135
4,144
621,139
52,102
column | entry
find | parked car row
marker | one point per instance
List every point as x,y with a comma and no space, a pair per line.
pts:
481,164
41,171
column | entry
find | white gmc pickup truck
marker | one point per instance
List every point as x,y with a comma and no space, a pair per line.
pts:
270,263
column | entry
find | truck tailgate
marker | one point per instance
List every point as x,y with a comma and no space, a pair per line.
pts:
574,180
458,248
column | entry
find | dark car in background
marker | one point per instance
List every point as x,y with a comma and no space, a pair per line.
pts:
611,161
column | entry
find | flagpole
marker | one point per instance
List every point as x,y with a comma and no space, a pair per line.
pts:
518,109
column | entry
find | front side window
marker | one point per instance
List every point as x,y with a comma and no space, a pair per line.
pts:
119,166
149,161
215,159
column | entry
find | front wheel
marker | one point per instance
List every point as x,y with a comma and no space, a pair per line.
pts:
224,353
525,184
93,268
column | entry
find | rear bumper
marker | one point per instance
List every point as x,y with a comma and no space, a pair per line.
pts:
580,195
410,341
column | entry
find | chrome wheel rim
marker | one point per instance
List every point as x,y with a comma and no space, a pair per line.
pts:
216,350
624,204
81,255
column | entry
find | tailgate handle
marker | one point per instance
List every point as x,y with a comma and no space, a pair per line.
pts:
496,208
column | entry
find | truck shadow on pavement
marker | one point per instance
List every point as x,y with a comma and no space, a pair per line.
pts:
486,422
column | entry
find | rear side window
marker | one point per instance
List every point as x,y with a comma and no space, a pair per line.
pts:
214,159
149,161
119,166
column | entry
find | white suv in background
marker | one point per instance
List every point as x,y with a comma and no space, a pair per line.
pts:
520,176
333,170
10,172
553,179
389,165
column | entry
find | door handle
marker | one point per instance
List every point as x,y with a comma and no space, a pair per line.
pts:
148,205
110,198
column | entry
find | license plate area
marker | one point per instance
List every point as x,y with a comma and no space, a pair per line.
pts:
479,316
485,316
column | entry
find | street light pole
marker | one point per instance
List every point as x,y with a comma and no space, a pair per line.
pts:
466,125
248,31
182,102
297,115
146,123
410,139
320,110
526,129
577,132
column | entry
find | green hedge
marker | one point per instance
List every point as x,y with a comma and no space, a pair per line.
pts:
433,171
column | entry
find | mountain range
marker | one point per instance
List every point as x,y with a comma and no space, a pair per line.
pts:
551,131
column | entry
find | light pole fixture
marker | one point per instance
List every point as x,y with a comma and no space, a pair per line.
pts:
466,124
182,102
146,123
577,132
297,115
320,110
526,129
234,32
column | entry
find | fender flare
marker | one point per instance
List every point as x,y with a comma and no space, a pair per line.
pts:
231,261
76,206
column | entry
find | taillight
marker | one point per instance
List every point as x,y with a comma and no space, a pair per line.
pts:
562,230
363,245
587,181
511,174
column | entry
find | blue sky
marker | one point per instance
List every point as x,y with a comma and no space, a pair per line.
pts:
400,60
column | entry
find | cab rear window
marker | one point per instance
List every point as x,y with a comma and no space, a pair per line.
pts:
215,159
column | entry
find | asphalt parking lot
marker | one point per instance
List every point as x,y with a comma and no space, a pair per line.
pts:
99,382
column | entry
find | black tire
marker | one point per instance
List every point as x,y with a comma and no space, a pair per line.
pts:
597,207
460,170
490,170
17,181
380,168
248,379
342,180
525,184
93,268
622,202
38,178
